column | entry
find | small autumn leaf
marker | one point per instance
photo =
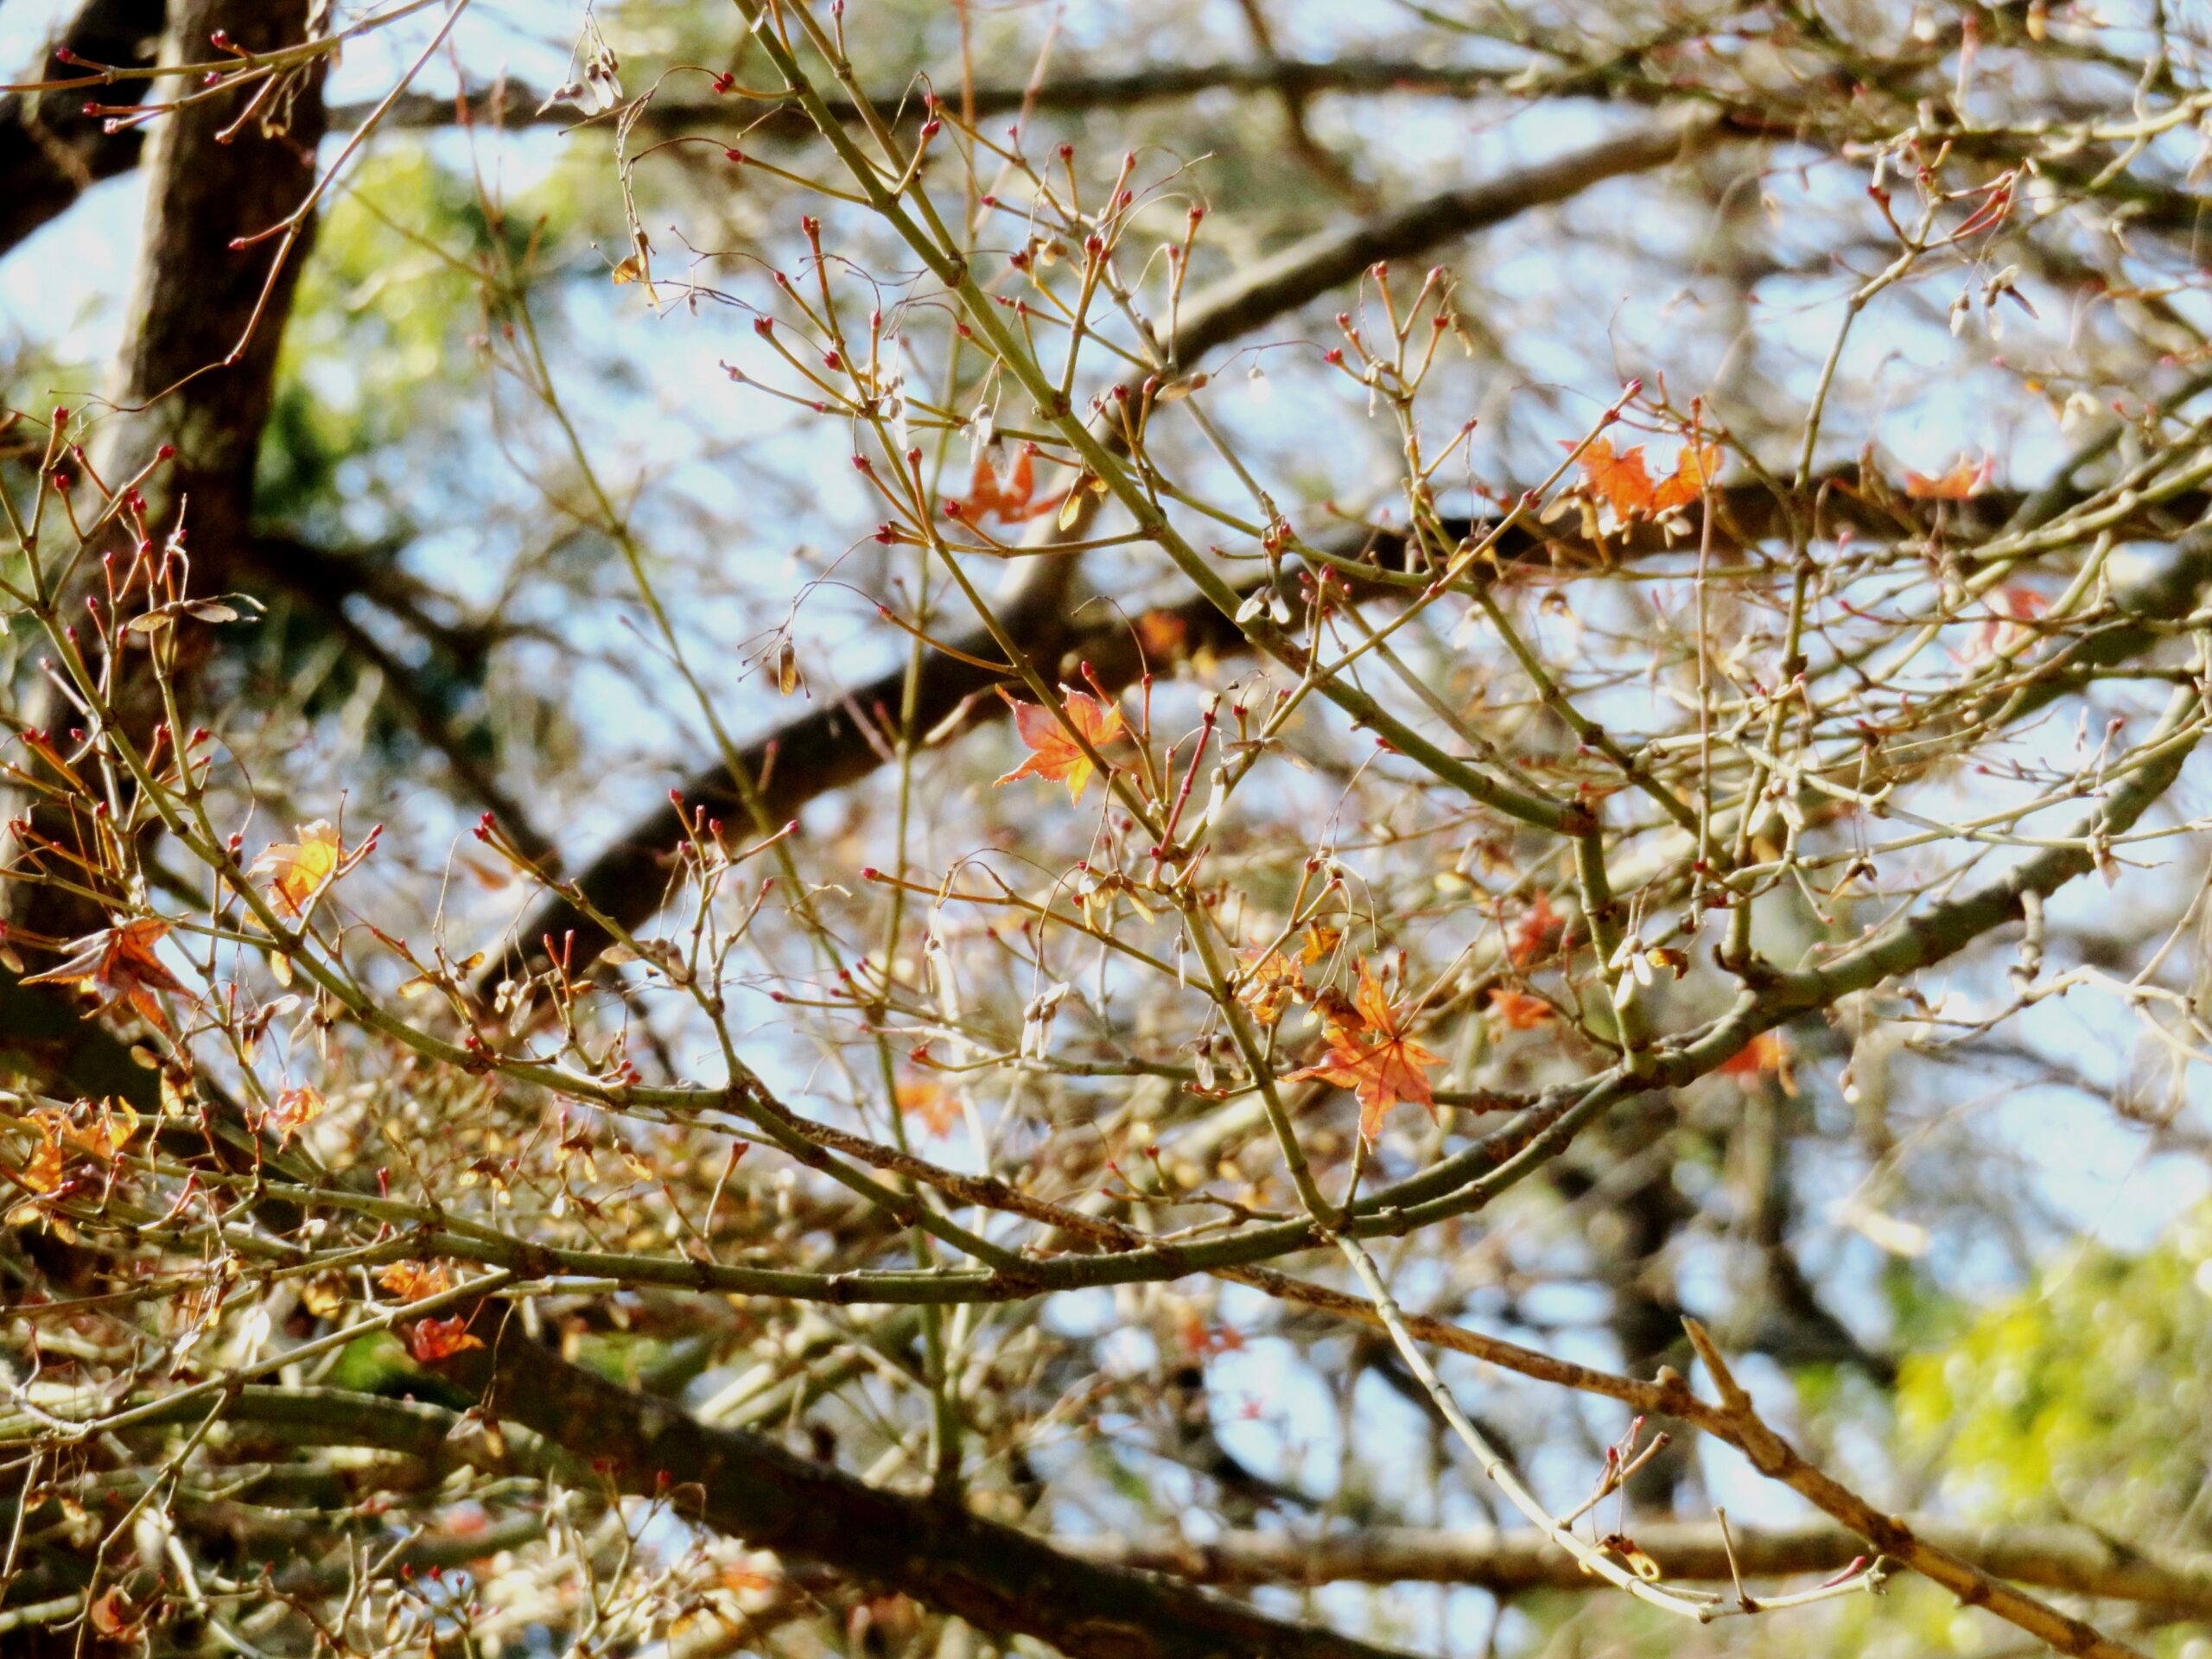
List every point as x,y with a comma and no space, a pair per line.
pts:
1054,755
411,1281
1766,1056
1536,935
429,1340
1269,983
41,1171
299,870
1967,477
1009,495
1624,484
291,1111
1162,636
119,966
935,1108
631,270
1374,1058
1520,1010
2009,608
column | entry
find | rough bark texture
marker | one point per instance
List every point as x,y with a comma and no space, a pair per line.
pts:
194,294
50,151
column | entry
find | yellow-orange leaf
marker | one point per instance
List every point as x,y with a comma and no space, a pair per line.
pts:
1053,754
413,1280
938,1111
299,870
1270,982
1162,635
41,1171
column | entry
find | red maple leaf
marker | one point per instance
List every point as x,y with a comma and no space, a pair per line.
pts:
435,1339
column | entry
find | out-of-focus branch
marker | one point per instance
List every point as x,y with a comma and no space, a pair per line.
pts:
1069,94
1288,280
2070,1559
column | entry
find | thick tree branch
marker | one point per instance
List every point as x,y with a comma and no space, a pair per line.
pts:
1067,94
50,151
996,1577
2074,1560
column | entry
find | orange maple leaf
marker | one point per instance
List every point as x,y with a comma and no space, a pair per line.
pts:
1007,496
41,1171
1371,1053
291,1111
1163,636
1269,983
1520,1010
2009,606
413,1280
435,1339
1053,754
1624,484
1766,1055
299,870
118,965
1968,478
1536,934
937,1110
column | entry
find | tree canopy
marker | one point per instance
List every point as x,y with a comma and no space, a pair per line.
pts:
912,828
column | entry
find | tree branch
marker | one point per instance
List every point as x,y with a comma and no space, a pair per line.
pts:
997,1578
828,748
2074,1560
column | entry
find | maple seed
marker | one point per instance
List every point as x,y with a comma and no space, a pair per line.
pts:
1054,755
